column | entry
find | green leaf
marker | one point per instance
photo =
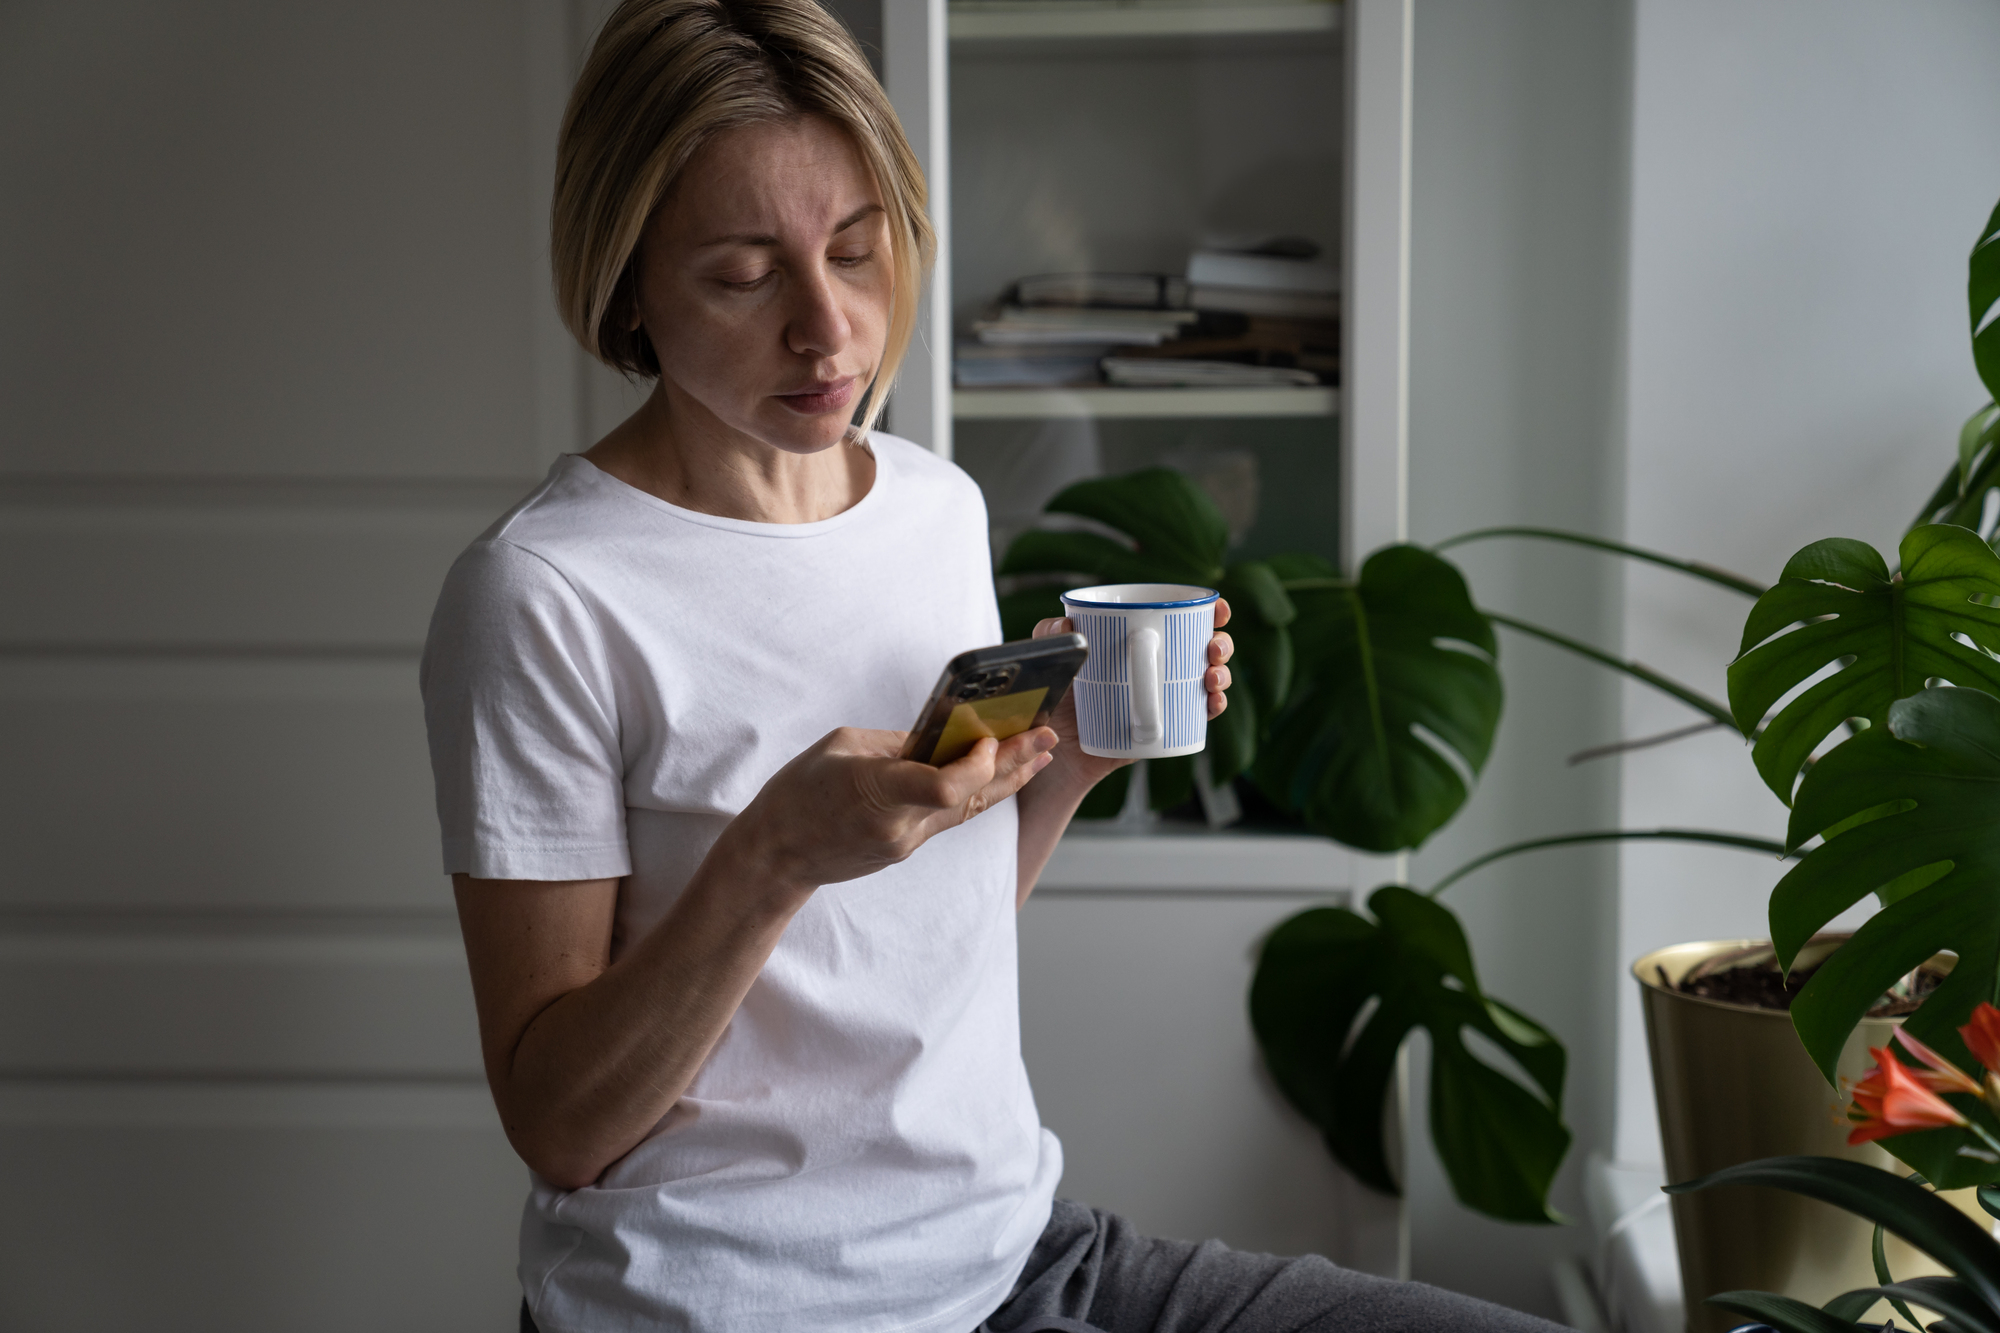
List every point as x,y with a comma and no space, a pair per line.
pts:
1253,588
1989,1199
1178,529
1854,1304
1333,1053
1399,650
1888,634
1936,767
1961,496
1946,1296
1974,438
1261,611
1880,1254
1982,292
1786,1314
1232,736
1088,553
1904,1207
1025,608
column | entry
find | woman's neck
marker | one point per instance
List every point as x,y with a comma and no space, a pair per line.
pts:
718,471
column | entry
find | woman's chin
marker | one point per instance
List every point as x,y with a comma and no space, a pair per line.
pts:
796,433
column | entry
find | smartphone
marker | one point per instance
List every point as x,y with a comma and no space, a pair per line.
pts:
1000,691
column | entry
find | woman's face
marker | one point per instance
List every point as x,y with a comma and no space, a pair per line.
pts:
765,283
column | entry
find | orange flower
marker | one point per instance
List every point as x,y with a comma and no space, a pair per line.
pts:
1982,1036
1893,1099
1943,1075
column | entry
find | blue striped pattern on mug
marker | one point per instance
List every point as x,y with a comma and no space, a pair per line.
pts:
1106,634
1183,700
1104,692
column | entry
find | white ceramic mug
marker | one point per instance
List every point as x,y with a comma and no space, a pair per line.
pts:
1140,695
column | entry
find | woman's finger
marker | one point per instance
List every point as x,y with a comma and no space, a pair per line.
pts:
1217,680
1054,625
1220,649
1221,612
952,784
1216,703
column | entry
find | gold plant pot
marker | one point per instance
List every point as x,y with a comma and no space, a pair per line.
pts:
1733,1084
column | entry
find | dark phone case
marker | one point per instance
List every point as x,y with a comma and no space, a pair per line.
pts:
986,681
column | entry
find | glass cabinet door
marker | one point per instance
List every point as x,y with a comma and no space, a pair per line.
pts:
1146,247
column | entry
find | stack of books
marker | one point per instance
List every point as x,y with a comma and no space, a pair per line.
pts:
1281,277
1056,345
1237,319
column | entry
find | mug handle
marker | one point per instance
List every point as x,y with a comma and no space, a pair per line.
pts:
1143,657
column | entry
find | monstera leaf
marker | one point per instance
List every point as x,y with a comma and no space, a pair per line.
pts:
1911,813
1334,997
1395,692
1961,497
1887,634
1172,533
1982,294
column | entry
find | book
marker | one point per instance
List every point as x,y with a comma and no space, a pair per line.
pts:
1045,325
1222,268
1168,373
1025,372
1254,340
1263,301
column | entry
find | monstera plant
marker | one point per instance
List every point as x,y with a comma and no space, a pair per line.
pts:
1363,702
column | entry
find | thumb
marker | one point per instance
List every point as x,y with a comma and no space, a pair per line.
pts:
907,782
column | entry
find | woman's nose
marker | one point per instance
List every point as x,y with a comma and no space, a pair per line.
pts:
817,325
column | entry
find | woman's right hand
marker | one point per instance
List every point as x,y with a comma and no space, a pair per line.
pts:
848,806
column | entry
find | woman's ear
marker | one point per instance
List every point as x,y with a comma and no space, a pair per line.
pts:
630,287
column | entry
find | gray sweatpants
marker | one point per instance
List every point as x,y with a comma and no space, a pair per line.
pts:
1092,1273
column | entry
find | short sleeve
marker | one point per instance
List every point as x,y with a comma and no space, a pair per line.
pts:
523,724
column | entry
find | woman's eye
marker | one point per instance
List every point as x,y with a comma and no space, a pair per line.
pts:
855,260
741,283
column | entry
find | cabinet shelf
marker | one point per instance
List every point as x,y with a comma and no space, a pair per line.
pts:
1015,20
1110,401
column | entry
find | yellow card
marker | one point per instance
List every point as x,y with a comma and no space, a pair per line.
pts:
1008,715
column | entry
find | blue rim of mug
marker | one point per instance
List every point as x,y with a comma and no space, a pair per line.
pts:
1207,595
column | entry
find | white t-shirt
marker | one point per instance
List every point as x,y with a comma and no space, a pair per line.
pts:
609,679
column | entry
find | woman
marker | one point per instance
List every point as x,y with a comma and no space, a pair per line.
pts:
746,986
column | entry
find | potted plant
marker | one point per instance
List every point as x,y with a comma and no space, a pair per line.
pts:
1349,686
1915,1092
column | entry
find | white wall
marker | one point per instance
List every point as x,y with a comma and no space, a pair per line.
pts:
1807,177
1516,263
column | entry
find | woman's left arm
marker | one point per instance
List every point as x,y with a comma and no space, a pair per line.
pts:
1048,803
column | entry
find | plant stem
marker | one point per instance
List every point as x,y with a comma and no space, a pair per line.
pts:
1693,568
1742,840
1692,698
1643,742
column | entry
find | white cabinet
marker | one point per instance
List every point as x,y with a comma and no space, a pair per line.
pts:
1089,136
1136,954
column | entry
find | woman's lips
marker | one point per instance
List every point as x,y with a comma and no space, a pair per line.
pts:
821,398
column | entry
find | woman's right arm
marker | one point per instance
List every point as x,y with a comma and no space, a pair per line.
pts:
584,1055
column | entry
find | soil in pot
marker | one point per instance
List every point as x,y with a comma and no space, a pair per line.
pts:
1752,978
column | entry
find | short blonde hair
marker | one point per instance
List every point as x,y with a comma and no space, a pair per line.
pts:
663,78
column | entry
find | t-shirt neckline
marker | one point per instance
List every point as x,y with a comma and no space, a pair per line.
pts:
594,475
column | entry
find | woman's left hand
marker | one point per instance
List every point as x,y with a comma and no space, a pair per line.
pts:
1071,764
